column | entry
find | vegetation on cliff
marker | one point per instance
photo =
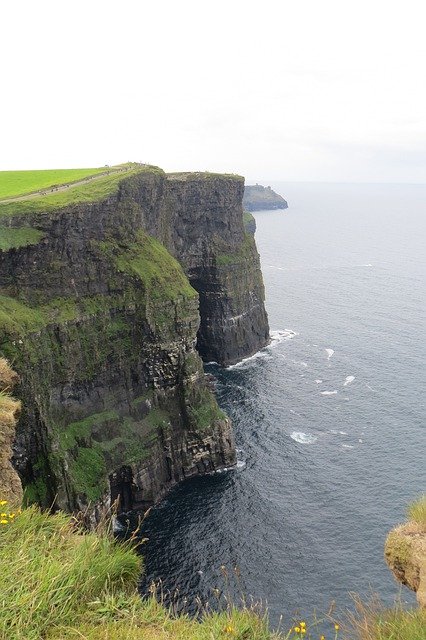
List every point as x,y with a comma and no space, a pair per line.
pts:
10,484
91,188
59,583
405,550
19,183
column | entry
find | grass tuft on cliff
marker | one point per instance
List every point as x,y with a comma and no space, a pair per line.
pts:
61,583
371,621
417,511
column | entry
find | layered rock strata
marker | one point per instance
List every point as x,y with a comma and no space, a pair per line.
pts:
101,324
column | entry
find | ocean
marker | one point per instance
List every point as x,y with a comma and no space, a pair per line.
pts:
329,419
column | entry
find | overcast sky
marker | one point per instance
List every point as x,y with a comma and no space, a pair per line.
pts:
328,90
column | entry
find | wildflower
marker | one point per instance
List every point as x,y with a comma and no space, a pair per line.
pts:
4,521
3,515
303,630
11,515
229,629
297,629
336,626
322,638
303,624
3,502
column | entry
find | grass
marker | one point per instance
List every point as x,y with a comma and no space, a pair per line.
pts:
372,621
11,238
417,511
203,175
92,191
149,261
61,583
16,183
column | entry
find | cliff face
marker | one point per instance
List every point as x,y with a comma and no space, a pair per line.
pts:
101,324
258,198
221,262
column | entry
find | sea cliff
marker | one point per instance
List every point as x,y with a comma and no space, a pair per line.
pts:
106,303
258,198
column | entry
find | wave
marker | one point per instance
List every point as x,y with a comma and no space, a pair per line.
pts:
318,381
303,438
328,393
348,380
329,353
277,337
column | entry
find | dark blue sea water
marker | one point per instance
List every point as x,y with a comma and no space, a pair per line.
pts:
329,420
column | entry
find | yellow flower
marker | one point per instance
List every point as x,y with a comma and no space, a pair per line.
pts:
303,624
336,626
3,515
229,629
3,502
297,629
322,638
303,630
11,515
4,522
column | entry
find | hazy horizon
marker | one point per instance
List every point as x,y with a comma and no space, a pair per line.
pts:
306,92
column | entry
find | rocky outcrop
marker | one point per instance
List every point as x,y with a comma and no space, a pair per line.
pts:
405,554
258,198
101,323
10,484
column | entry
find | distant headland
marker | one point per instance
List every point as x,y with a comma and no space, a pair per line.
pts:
258,198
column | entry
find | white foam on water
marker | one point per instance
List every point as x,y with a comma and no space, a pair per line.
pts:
304,364
276,338
279,335
347,446
329,353
371,388
239,365
328,393
241,464
338,433
318,381
212,362
303,438
348,380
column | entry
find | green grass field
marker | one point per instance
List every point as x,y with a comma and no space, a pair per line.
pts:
17,183
78,192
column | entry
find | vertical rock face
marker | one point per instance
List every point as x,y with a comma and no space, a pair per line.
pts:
207,235
101,323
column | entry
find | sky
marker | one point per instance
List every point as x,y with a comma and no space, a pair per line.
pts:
301,90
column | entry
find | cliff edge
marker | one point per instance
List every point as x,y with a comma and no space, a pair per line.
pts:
106,290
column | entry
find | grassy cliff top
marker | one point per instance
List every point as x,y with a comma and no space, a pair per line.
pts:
19,183
42,191
202,175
